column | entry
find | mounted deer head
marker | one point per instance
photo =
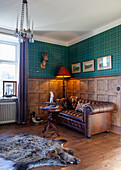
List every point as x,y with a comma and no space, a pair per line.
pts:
44,60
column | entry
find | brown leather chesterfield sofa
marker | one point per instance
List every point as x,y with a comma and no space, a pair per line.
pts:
95,117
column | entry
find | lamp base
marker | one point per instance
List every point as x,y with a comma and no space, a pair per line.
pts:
63,89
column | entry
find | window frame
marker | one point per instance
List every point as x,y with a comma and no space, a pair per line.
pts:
13,44
16,62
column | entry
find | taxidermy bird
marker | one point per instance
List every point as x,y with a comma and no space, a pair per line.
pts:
36,120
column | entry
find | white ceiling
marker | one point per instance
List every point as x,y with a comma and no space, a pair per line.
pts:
62,20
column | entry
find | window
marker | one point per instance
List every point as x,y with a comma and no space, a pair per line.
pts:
8,63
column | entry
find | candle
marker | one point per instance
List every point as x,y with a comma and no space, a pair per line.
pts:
17,22
32,26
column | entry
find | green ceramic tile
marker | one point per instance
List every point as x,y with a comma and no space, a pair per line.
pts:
57,56
103,44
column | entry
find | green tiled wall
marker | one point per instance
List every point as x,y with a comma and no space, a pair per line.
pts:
57,56
103,44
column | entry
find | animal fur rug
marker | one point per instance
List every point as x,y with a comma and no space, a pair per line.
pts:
28,151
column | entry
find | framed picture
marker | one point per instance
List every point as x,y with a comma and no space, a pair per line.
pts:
104,63
88,66
9,88
76,68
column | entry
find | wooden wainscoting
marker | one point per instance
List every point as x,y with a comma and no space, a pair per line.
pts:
99,88
39,92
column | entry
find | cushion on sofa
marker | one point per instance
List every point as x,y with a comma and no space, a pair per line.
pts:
73,102
68,104
64,102
80,106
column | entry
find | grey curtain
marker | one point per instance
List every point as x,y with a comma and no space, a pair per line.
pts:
23,84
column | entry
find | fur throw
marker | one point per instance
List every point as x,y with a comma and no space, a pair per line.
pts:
28,151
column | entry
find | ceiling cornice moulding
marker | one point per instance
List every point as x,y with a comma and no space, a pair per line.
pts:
95,32
52,41
6,31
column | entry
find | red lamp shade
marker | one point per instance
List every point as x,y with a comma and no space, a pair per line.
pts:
63,72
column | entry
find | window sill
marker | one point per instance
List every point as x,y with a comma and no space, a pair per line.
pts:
8,98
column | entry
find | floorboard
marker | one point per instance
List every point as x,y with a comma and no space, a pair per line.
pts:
101,152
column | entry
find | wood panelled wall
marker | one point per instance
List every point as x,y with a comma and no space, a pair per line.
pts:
39,93
101,88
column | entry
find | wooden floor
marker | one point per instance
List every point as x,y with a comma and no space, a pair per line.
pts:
101,152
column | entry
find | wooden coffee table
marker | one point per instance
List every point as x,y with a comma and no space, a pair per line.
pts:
51,112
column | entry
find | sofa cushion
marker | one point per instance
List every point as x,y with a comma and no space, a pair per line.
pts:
64,102
73,102
67,104
80,106
72,114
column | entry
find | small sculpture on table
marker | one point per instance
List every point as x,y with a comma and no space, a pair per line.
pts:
51,97
51,102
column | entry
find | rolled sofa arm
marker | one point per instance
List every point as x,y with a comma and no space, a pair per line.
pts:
92,109
97,117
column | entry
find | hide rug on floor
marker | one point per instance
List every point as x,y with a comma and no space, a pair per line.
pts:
28,151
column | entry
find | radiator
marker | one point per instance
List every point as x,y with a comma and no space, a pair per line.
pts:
7,112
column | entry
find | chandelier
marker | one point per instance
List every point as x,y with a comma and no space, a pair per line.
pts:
23,33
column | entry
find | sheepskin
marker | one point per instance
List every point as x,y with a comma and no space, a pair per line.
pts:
28,151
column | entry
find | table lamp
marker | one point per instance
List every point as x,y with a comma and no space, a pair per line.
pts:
63,73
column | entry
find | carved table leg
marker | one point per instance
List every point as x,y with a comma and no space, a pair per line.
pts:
45,129
49,124
55,129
